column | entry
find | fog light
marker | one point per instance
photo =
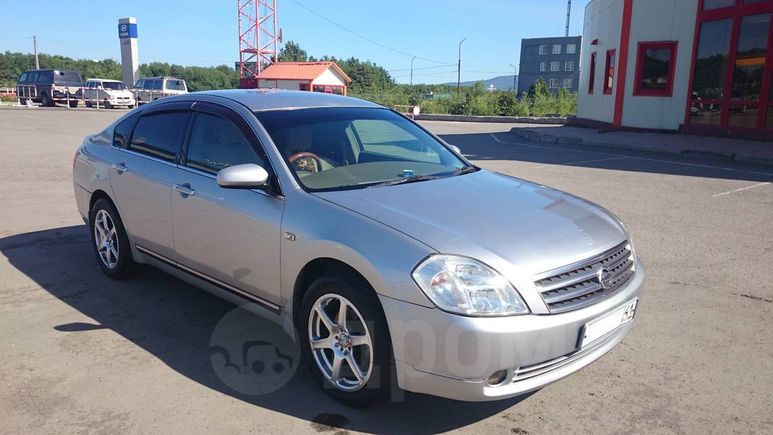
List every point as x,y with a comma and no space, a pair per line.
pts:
497,378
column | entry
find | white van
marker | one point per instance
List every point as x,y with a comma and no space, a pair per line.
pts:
152,88
107,93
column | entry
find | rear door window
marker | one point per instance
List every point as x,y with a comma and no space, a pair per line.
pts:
216,143
160,135
157,84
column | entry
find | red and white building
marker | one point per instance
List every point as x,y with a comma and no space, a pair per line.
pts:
703,66
325,77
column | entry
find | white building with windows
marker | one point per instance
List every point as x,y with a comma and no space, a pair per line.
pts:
696,65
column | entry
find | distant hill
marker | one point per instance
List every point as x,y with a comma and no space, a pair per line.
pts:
502,83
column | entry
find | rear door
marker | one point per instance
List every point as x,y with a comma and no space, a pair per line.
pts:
229,235
143,175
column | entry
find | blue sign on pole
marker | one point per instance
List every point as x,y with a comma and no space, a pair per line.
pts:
127,30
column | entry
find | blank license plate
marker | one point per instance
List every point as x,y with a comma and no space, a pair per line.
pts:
601,327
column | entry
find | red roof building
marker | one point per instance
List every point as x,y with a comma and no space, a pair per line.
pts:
325,77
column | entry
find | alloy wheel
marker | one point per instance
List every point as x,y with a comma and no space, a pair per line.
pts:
106,239
340,342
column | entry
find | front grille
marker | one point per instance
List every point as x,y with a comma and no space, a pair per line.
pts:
585,283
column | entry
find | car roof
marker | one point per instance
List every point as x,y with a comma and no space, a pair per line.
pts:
104,80
273,99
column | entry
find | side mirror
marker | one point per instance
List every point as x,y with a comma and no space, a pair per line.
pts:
99,87
456,149
246,176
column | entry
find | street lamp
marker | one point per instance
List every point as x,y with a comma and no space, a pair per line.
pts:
459,66
412,59
515,75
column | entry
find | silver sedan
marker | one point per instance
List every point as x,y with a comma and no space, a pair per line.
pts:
396,260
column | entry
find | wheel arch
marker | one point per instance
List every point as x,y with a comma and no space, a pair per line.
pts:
317,268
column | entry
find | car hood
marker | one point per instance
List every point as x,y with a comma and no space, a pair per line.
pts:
501,220
119,93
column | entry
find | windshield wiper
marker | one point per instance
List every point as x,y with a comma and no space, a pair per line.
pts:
405,180
465,170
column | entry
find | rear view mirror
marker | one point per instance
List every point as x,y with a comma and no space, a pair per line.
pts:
246,176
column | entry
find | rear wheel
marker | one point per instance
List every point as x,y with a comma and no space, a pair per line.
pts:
88,104
22,101
73,104
110,241
46,100
345,340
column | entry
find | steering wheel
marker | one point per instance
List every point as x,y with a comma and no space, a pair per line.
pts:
303,158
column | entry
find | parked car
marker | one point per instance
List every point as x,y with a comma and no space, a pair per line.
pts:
381,244
107,93
152,88
49,86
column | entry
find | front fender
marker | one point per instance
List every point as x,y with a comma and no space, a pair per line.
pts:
383,255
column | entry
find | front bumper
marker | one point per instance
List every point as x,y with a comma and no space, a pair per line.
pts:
453,356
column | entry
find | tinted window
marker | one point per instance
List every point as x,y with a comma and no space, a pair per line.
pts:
711,60
123,130
216,143
68,78
23,77
32,77
139,84
175,85
159,135
337,148
148,84
46,77
157,84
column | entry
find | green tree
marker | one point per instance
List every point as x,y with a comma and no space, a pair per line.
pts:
292,52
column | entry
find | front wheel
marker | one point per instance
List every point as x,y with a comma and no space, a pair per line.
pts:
345,340
73,104
110,241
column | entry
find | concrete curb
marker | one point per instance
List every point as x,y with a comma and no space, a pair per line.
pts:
734,155
505,119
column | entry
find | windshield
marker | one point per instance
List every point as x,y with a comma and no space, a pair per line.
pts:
175,85
116,86
71,78
343,148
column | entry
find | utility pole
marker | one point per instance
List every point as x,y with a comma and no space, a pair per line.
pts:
35,49
414,58
568,15
515,76
459,67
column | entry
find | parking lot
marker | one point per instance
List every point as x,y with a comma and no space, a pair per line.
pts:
83,353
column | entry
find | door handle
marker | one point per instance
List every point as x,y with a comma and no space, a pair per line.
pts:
119,167
184,189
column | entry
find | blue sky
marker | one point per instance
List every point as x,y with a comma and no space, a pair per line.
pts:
196,32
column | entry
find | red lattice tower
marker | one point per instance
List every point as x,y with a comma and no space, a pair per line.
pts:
257,39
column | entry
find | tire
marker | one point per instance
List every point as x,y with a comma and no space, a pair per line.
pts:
114,258
46,101
108,105
365,337
88,104
22,101
73,104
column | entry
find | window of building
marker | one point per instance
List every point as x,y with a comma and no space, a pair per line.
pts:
543,49
569,65
553,83
542,66
748,71
556,48
592,73
655,67
568,83
571,48
159,135
717,4
216,144
609,72
555,66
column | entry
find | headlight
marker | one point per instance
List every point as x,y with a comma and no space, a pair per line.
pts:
466,286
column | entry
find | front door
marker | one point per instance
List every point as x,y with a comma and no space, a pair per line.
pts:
142,178
229,235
